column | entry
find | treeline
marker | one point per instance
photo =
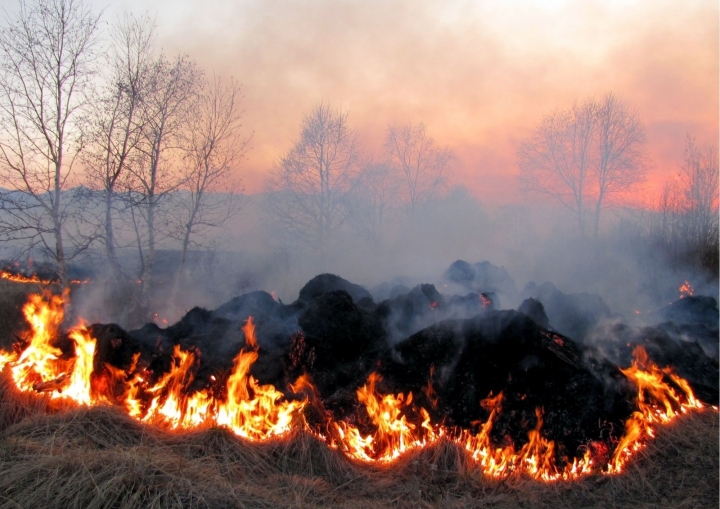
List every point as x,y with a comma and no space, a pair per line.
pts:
110,145
108,141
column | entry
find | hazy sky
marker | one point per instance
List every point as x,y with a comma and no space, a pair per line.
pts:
479,74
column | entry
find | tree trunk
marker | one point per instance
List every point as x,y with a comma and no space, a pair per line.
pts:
110,238
598,210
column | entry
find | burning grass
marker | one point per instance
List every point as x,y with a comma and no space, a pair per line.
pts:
55,451
99,457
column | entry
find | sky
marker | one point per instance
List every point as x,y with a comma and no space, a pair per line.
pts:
479,74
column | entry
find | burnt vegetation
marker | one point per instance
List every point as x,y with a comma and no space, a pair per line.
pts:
121,191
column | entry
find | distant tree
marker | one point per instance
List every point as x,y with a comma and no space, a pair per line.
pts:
214,149
423,165
556,160
373,192
620,156
117,121
167,106
47,54
308,188
686,224
582,155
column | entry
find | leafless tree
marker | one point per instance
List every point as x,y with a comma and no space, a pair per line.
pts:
215,148
699,184
422,164
118,122
47,54
620,157
166,108
556,160
374,191
685,225
309,186
583,155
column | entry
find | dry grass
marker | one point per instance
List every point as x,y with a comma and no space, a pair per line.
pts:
97,458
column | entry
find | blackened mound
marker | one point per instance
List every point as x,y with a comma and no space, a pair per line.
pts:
574,314
506,351
535,310
329,282
692,310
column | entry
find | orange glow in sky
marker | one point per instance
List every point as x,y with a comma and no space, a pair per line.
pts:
480,75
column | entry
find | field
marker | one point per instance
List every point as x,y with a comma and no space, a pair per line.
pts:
52,456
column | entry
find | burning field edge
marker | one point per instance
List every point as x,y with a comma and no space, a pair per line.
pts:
68,438
98,457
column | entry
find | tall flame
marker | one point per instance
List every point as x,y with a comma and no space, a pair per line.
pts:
658,403
254,411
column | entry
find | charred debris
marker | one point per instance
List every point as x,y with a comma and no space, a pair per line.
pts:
451,351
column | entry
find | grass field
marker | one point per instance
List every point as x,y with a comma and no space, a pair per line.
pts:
54,457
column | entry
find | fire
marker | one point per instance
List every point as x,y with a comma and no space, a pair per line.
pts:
394,435
79,388
536,458
257,412
19,278
251,410
34,279
686,290
40,361
662,396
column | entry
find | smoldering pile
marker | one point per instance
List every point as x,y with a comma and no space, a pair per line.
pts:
451,351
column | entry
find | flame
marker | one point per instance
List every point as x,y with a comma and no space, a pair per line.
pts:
257,412
40,361
79,388
394,434
254,411
19,278
34,279
686,290
658,403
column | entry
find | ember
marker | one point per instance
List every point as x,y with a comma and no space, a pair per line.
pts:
686,290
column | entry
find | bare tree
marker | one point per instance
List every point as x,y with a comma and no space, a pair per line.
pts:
215,148
685,226
309,186
698,181
583,155
556,160
47,54
620,157
166,109
374,191
422,164
118,122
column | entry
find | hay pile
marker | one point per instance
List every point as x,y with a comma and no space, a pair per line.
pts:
94,458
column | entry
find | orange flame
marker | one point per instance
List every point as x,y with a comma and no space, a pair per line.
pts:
394,435
40,361
79,388
34,279
257,412
658,403
251,410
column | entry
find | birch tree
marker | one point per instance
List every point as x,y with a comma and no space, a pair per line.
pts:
118,122
47,56
310,184
423,165
214,148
